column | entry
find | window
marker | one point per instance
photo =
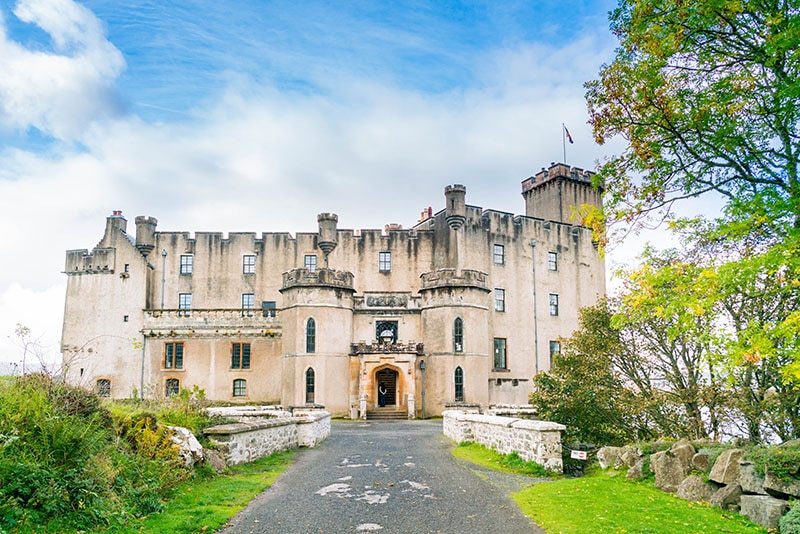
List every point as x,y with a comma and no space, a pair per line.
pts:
459,382
500,353
268,308
240,356
310,262
553,304
239,387
499,254
124,318
386,332
104,387
184,303
249,264
248,303
310,386
499,299
552,261
311,335
127,268
458,335
555,350
173,355
187,263
172,387
384,262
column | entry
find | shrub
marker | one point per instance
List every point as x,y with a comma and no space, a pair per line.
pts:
783,461
790,523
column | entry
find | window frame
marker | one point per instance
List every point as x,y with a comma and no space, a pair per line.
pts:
555,349
552,302
499,299
385,261
239,387
501,342
499,251
174,359
458,334
241,352
311,336
249,264
552,261
458,382
311,386
103,390
310,266
170,392
184,304
186,264
248,309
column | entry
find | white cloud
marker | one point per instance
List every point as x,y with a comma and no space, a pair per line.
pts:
63,91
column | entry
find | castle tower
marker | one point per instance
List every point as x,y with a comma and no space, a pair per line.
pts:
327,233
145,234
557,193
455,207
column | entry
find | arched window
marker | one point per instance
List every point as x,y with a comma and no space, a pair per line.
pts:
458,335
173,387
311,335
104,387
239,387
310,386
459,381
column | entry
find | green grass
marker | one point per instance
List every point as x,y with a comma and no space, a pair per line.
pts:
205,505
608,503
507,463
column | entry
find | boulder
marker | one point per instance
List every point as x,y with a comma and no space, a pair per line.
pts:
684,451
694,488
629,455
636,471
608,457
216,460
700,462
749,479
726,468
727,497
189,448
781,488
763,509
670,470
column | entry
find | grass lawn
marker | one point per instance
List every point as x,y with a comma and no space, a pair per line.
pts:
207,504
606,502
507,463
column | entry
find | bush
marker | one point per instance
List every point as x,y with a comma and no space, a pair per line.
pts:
783,461
790,523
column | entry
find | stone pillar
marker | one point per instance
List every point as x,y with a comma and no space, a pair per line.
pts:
412,409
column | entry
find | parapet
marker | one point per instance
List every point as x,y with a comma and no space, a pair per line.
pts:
321,277
555,171
453,278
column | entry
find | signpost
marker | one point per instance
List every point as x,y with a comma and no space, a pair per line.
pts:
577,455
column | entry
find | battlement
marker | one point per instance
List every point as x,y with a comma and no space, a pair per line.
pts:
318,278
555,171
453,278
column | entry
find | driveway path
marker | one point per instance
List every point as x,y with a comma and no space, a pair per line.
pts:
386,477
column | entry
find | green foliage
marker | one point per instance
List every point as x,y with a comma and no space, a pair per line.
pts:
507,463
782,461
790,522
606,502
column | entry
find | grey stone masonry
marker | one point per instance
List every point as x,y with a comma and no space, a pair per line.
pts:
726,468
763,509
538,441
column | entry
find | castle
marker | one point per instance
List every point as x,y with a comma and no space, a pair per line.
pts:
465,307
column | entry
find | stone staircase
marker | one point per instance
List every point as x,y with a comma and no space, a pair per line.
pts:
387,414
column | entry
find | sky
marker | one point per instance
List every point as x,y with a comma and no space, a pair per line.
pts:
257,115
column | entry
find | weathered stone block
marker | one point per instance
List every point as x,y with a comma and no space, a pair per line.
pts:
780,488
670,470
726,468
608,457
694,488
629,455
749,479
684,451
727,496
636,471
763,509
700,462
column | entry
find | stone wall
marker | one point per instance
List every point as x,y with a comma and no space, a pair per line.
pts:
244,442
538,441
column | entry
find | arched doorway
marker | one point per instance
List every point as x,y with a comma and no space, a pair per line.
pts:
388,379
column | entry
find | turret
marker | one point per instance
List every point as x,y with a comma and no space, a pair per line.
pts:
456,208
145,234
558,192
327,233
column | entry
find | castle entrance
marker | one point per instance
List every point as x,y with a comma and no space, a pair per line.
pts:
387,378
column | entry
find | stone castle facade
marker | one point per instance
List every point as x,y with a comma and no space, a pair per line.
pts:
465,307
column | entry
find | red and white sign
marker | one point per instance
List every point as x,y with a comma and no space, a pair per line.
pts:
578,455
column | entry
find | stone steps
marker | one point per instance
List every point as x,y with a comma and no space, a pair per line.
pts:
387,415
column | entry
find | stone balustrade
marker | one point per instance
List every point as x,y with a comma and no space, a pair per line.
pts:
538,441
454,278
410,347
320,277
211,321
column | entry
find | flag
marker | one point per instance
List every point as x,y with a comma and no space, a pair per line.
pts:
569,137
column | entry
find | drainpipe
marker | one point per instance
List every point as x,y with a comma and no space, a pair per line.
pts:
141,376
163,274
422,367
535,317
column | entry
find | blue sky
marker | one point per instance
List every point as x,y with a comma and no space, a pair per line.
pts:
256,116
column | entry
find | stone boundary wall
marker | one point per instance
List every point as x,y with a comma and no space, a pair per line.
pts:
539,441
244,442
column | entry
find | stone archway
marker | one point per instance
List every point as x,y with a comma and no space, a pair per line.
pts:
388,378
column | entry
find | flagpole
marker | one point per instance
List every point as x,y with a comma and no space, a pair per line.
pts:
564,141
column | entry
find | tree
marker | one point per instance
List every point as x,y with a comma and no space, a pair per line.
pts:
706,94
